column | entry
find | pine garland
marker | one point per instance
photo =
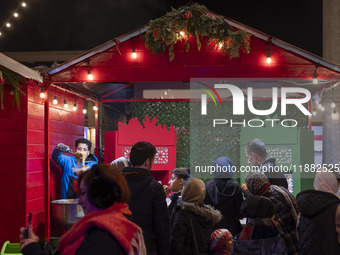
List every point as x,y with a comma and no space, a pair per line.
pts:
13,80
195,20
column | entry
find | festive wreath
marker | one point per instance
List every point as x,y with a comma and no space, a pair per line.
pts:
195,20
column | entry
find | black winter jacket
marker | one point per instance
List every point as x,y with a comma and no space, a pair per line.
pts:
317,229
149,209
275,178
284,215
203,218
225,195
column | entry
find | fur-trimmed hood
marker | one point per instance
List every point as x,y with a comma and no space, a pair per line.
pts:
205,211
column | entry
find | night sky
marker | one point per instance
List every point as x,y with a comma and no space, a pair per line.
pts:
85,24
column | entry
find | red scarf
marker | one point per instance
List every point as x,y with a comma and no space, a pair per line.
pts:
111,219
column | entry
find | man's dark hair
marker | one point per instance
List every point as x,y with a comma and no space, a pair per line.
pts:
140,152
83,140
258,147
182,173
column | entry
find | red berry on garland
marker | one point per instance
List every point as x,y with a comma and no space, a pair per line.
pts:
187,15
155,33
247,40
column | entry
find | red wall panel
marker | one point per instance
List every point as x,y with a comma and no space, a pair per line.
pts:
34,179
35,183
13,125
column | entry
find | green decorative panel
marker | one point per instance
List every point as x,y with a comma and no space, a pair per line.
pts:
282,153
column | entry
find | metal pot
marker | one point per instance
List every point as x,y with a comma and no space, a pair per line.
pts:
67,211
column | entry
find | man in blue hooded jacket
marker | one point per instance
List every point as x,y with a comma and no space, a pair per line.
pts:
67,162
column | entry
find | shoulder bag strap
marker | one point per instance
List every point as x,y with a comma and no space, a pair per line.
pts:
193,234
288,199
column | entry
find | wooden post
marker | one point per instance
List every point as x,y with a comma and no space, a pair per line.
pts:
47,164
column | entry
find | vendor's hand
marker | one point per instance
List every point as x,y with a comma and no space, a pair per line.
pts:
244,187
166,189
32,238
63,148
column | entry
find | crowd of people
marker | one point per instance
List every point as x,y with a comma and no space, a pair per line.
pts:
126,210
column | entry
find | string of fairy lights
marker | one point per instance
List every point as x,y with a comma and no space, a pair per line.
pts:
65,104
14,15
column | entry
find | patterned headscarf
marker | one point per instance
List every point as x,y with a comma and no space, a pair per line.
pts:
257,182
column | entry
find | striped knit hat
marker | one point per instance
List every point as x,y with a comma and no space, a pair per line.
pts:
219,238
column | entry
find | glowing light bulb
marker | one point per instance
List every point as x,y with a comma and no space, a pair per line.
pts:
90,76
269,60
315,80
23,4
333,104
182,33
74,108
84,110
323,108
8,24
134,53
314,112
0,33
16,14
55,100
320,106
220,45
95,108
65,104
42,94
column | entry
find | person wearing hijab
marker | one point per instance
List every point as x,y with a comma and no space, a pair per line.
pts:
121,163
104,228
319,220
193,223
225,195
259,211
260,235
285,207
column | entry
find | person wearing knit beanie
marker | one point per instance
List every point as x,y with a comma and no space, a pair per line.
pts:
221,242
257,183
